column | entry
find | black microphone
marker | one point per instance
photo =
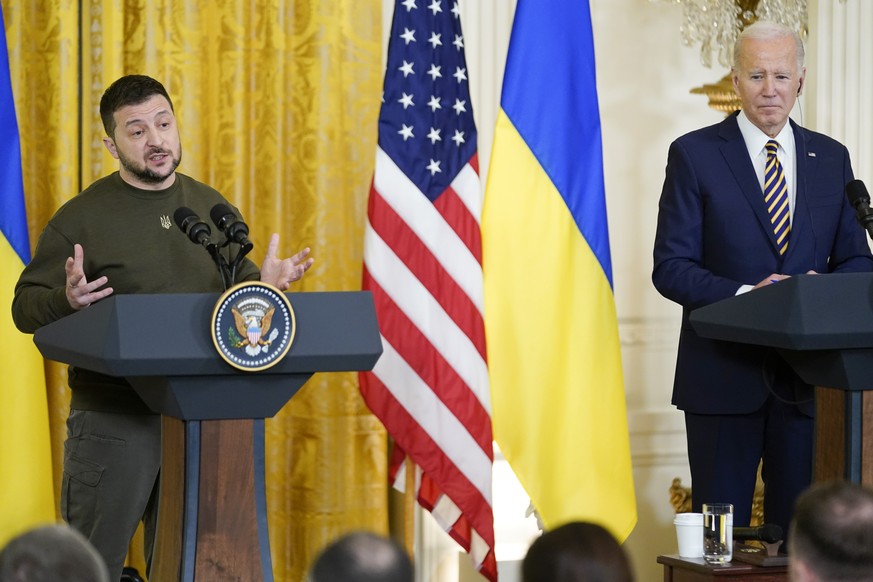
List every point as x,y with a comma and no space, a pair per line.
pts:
229,223
769,532
188,221
860,199
199,232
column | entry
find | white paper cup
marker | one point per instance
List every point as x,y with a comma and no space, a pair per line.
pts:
689,534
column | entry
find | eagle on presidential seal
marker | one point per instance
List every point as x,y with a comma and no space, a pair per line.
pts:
252,318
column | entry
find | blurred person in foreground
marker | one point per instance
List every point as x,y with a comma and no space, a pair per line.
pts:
362,557
49,554
576,552
832,534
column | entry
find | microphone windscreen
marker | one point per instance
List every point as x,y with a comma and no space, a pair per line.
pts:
856,192
770,532
182,216
220,213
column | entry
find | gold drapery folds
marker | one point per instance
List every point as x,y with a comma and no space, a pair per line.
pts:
277,102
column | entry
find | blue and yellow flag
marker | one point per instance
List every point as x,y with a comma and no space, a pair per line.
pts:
26,491
553,348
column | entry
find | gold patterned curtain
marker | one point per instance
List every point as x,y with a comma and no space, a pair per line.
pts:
277,102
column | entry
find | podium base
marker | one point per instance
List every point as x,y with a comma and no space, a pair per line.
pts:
212,511
843,441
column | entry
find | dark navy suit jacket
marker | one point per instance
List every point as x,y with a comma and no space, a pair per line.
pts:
714,235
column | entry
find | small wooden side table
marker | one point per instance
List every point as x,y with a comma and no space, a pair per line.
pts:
678,569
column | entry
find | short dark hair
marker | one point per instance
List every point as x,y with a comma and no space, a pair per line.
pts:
362,557
576,552
50,553
128,90
832,531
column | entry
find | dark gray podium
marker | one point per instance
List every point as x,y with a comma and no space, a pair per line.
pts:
822,325
212,522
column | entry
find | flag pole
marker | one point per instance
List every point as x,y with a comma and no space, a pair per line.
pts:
409,510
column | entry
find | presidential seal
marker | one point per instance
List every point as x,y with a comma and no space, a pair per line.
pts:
253,326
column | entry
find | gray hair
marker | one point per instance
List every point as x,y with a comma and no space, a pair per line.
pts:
767,30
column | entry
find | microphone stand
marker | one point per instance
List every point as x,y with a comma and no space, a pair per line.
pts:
226,271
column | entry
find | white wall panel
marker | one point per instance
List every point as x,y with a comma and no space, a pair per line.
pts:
840,75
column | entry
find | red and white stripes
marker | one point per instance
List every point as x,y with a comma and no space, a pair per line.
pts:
423,263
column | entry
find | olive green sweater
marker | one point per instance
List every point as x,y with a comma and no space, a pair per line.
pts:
128,235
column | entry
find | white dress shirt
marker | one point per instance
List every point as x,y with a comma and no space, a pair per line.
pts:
756,140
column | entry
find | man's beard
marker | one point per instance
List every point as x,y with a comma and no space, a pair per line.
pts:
146,175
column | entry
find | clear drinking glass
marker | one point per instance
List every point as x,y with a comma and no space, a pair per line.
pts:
718,532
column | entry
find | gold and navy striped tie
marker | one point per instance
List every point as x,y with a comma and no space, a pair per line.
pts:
776,197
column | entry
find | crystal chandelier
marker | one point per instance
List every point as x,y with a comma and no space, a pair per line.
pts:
715,24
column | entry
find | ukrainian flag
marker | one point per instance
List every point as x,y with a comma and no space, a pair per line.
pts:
26,490
553,348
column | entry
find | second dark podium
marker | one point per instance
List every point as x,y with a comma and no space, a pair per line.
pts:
212,522
822,325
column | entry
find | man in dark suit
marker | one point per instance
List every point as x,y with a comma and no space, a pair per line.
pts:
716,238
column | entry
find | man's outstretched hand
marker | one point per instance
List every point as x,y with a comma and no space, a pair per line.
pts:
282,272
81,293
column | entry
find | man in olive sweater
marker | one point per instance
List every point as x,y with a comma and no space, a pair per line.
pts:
121,239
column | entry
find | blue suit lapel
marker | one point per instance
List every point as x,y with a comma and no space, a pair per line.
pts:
805,167
736,156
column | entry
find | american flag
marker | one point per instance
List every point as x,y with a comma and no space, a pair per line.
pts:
423,263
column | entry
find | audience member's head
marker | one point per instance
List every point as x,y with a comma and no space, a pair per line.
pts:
831,536
51,553
362,557
576,552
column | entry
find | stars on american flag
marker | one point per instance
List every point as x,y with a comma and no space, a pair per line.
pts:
406,132
406,69
426,108
406,101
